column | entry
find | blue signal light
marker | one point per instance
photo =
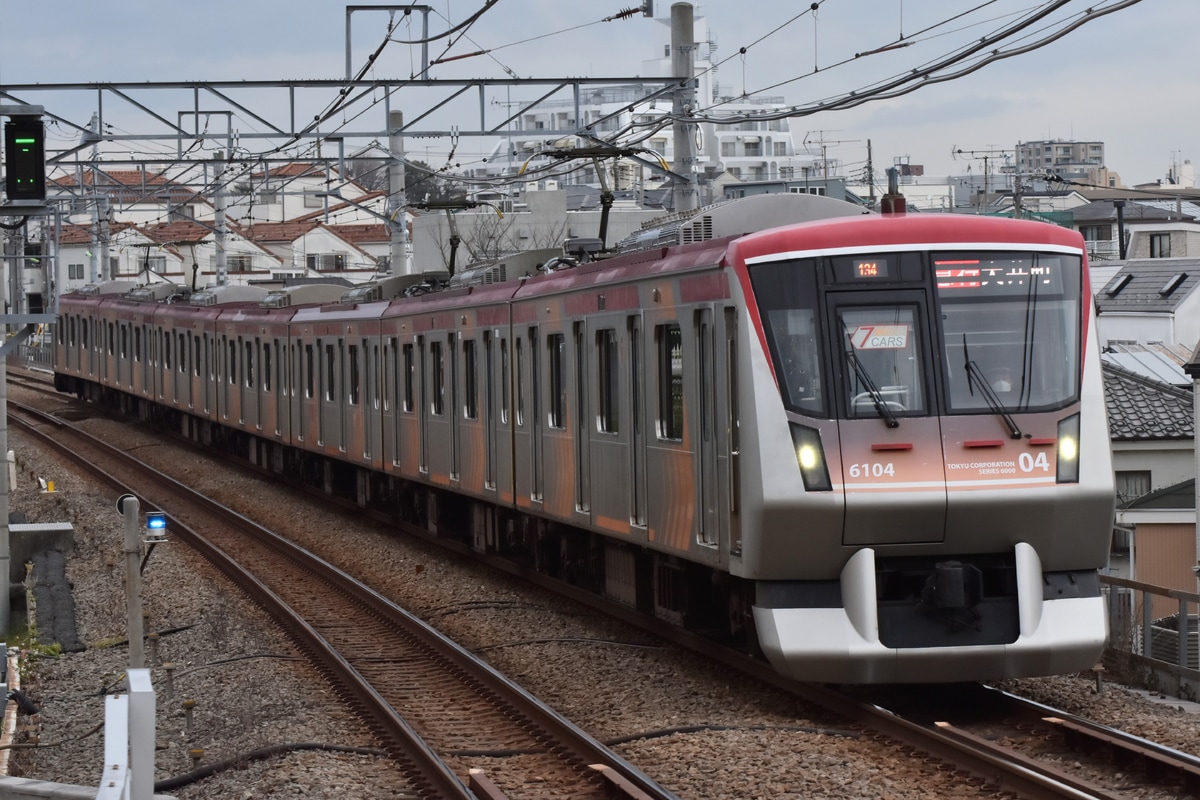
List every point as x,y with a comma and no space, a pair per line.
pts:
156,521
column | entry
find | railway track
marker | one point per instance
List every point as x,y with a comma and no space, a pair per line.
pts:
1026,751
436,708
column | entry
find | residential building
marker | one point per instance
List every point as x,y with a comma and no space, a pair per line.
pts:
1151,300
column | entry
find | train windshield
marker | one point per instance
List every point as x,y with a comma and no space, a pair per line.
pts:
1011,320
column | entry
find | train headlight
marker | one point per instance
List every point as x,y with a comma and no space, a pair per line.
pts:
1068,450
811,458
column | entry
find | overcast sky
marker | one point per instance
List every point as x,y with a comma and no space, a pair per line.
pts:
1126,78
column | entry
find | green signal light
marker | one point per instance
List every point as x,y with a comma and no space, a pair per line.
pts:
25,140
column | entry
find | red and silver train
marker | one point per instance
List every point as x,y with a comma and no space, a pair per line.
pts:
872,446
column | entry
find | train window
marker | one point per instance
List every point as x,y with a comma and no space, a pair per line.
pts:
183,351
883,359
248,363
504,370
608,410
166,351
330,382
137,344
438,379
669,340
231,366
786,292
111,339
993,307
555,356
520,383
266,366
470,401
409,367
309,372
353,389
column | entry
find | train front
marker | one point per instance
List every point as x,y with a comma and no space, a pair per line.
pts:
944,501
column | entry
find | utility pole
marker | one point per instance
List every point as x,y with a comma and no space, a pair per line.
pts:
683,103
870,176
397,198
985,156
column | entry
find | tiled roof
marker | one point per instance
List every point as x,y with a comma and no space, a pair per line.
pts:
1143,409
178,232
361,233
278,231
1147,278
1158,360
73,233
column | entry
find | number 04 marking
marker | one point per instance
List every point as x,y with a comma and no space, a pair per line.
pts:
1028,463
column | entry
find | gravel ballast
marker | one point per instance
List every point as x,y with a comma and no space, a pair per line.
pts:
701,731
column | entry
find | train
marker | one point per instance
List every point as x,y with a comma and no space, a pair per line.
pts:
870,448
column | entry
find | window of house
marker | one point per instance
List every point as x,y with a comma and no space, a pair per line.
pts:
156,264
1096,233
75,272
1160,245
669,343
326,262
1132,484
239,263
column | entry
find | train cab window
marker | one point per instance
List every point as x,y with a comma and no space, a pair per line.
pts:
993,307
883,360
555,358
786,293
669,342
607,375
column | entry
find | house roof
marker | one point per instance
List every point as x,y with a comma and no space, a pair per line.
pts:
1135,212
1180,496
131,186
75,234
177,232
1149,285
1141,408
1157,360
362,233
278,231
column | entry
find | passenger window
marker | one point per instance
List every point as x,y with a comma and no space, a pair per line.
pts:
669,341
409,367
470,401
607,380
438,378
555,354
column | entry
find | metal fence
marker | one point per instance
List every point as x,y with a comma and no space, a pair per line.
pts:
1156,652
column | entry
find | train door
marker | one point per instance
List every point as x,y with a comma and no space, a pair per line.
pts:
453,413
637,423
536,423
707,381
606,430
890,434
489,411
583,427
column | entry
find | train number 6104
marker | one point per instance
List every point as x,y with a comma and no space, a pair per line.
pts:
876,469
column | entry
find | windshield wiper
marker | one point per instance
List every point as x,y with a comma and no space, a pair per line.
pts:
975,377
864,377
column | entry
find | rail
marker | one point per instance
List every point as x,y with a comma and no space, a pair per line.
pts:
1154,633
